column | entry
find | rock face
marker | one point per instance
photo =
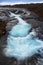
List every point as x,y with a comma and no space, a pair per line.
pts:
2,27
4,15
7,22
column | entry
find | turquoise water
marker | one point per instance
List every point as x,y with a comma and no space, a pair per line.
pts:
20,42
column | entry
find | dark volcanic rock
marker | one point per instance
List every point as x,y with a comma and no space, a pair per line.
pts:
4,15
2,27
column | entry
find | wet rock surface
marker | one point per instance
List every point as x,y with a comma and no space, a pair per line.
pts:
7,22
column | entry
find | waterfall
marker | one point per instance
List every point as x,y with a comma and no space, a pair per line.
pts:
20,42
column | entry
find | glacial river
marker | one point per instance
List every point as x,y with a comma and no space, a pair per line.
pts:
20,42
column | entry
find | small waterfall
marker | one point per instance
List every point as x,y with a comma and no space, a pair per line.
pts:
21,29
20,43
21,21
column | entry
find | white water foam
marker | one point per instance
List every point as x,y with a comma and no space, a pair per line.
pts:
20,44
